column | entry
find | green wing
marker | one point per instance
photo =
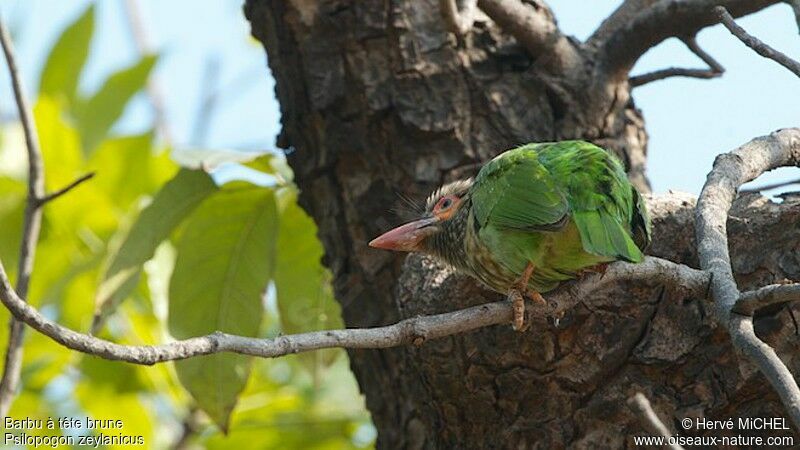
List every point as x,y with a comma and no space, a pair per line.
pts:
605,207
515,191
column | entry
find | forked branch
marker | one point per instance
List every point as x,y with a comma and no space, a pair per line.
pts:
32,222
534,27
754,43
639,25
731,170
415,331
714,70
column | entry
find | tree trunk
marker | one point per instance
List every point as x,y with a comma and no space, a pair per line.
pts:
379,99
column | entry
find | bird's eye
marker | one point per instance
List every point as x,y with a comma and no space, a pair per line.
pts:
444,204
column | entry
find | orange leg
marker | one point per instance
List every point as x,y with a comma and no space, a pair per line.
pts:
515,294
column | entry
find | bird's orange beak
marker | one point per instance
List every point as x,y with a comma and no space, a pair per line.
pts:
406,238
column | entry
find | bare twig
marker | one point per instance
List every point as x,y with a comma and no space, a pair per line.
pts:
767,187
639,25
731,170
714,70
460,22
415,331
154,91
54,195
534,27
754,43
31,226
642,408
752,301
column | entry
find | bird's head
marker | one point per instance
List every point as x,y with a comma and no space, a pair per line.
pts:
440,212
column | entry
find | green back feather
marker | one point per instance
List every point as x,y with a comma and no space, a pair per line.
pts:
537,186
516,191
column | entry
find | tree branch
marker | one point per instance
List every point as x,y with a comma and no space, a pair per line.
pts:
714,70
31,225
768,187
754,43
642,408
460,22
535,28
750,302
691,283
415,331
639,25
731,170
54,195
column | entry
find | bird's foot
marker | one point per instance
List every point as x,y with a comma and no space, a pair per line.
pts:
537,298
518,306
516,295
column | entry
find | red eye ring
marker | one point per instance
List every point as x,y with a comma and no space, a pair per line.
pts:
445,203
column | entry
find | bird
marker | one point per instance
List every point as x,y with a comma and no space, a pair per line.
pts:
533,217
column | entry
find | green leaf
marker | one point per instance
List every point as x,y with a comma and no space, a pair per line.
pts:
274,164
176,200
224,261
67,58
303,285
97,114
117,158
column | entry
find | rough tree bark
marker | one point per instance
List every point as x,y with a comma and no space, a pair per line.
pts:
378,98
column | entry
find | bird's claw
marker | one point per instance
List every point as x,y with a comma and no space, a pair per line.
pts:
537,298
518,307
520,322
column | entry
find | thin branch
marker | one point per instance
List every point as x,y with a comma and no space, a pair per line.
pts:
30,229
731,170
54,195
750,302
754,43
690,283
642,408
154,91
714,70
460,22
768,187
657,75
639,25
414,331
534,27
795,4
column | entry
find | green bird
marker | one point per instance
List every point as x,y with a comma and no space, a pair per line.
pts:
533,217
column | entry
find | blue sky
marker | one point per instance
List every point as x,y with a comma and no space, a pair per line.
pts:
689,121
